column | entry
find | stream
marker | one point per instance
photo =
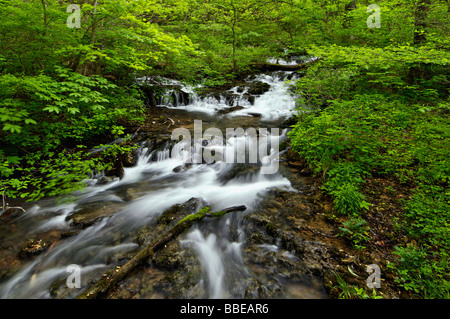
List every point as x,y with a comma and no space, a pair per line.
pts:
218,262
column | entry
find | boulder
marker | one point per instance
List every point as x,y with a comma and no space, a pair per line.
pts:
230,110
258,88
33,248
92,213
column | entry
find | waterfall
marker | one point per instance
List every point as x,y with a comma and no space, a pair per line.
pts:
210,259
274,104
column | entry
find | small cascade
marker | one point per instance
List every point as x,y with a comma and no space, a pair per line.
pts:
265,96
274,103
210,260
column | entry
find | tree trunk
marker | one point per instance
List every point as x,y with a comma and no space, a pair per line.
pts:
347,9
420,25
268,67
233,28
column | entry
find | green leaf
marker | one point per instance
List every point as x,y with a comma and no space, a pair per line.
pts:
30,121
51,108
13,159
73,110
12,128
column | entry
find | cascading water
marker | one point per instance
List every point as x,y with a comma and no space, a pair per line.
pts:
153,185
274,104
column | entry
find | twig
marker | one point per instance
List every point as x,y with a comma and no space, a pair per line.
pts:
136,132
5,207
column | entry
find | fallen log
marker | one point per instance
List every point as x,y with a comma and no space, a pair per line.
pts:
269,67
226,211
109,280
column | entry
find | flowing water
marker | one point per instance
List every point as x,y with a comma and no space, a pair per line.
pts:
158,181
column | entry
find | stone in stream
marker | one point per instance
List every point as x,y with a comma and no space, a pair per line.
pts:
240,170
223,93
168,219
182,168
33,248
91,213
103,180
258,88
229,110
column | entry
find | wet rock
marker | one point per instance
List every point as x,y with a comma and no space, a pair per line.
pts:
240,89
230,110
60,290
105,180
33,248
239,170
306,172
229,98
116,169
258,88
92,213
277,251
220,95
169,257
168,219
290,122
292,243
68,234
255,290
180,97
129,159
184,283
154,95
250,98
9,261
130,194
148,95
182,168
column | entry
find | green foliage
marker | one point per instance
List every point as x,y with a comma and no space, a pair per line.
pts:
357,231
48,174
348,200
376,105
70,106
422,273
348,291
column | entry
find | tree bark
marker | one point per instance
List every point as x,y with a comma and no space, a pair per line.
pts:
110,279
347,9
420,24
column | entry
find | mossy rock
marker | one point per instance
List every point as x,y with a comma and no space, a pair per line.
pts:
258,88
